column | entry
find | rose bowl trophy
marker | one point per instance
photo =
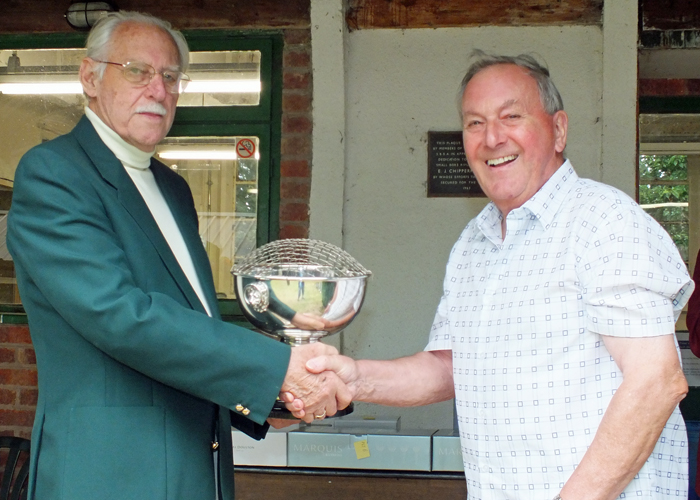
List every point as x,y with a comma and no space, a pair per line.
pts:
299,291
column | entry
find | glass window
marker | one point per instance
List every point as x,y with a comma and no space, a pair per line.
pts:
222,173
663,193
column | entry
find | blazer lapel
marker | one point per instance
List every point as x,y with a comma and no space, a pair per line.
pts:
114,173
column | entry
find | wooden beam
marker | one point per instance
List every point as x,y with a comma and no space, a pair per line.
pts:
41,16
365,14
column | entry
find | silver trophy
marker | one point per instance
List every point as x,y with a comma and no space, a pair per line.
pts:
300,291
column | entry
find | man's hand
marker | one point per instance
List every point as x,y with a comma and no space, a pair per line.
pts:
310,395
343,366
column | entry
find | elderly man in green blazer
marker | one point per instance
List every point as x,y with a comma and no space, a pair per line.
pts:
139,379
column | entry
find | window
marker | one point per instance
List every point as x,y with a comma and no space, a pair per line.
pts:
232,106
663,193
669,176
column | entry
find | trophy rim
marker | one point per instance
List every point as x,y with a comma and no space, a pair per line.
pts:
296,253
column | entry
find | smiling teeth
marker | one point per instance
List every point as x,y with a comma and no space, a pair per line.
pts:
499,161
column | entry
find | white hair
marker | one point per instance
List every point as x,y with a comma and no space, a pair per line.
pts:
100,38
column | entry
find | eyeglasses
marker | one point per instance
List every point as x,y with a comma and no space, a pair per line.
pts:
141,74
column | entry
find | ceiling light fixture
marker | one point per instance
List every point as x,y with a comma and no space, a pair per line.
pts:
83,15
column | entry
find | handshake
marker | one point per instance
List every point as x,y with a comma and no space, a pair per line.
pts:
319,382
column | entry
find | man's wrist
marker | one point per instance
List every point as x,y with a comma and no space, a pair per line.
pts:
558,497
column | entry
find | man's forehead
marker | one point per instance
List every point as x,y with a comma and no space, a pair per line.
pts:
500,86
127,39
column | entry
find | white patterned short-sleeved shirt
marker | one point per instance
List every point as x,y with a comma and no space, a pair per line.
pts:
523,317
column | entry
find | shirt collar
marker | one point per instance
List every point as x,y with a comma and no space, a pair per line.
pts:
543,206
129,155
546,202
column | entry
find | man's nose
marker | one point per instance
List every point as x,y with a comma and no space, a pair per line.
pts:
494,133
157,87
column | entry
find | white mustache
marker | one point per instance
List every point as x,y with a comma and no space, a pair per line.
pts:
153,107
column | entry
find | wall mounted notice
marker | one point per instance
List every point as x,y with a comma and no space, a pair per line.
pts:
449,174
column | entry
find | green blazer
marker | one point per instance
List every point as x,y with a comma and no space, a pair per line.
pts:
135,380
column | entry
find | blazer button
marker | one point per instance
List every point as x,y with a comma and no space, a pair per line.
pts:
246,411
239,407
215,445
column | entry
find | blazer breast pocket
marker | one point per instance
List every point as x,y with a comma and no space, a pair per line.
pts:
115,453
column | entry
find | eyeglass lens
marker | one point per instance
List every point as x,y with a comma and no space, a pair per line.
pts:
142,74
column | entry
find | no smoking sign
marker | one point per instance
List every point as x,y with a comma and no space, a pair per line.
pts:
245,148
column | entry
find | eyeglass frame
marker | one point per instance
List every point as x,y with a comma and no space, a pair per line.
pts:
182,80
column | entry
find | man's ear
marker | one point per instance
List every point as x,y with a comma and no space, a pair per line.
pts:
561,125
88,79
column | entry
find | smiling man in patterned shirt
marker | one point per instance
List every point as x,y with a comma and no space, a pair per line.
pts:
555,332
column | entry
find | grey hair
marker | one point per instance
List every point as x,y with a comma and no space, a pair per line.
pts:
549,95
99,41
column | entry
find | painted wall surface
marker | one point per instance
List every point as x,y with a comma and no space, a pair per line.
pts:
400,84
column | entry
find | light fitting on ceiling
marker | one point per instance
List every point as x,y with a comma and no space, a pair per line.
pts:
83,15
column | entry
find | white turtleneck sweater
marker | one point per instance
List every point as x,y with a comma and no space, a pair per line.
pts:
137,164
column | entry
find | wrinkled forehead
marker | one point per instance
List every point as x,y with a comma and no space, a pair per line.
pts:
142,42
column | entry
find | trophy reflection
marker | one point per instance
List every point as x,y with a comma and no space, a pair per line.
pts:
300,291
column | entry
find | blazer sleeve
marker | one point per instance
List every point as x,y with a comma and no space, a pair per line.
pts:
62,236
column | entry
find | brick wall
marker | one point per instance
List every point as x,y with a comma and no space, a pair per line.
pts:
295,165
18,392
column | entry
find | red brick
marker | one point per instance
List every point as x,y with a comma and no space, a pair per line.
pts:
293,231
295,168
16,417
296,145
8,396
296,37
28,397
296,124
293,189
7,355
294,101
296,59
18,377
15,334
296,80
292,212
26,356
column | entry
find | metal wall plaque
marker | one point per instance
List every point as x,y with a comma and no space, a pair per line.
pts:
449,174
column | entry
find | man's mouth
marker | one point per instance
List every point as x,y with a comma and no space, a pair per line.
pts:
500,161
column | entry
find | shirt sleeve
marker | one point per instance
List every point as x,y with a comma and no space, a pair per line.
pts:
634,281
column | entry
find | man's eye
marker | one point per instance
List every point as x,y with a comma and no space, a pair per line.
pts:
170,77
137,72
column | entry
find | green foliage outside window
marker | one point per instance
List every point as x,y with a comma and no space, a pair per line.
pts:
663,193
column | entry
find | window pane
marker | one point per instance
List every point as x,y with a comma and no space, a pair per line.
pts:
222,173
218,78
663,193
226,78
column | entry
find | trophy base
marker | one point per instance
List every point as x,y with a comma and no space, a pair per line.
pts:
280,411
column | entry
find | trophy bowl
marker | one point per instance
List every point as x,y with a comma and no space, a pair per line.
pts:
300,291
